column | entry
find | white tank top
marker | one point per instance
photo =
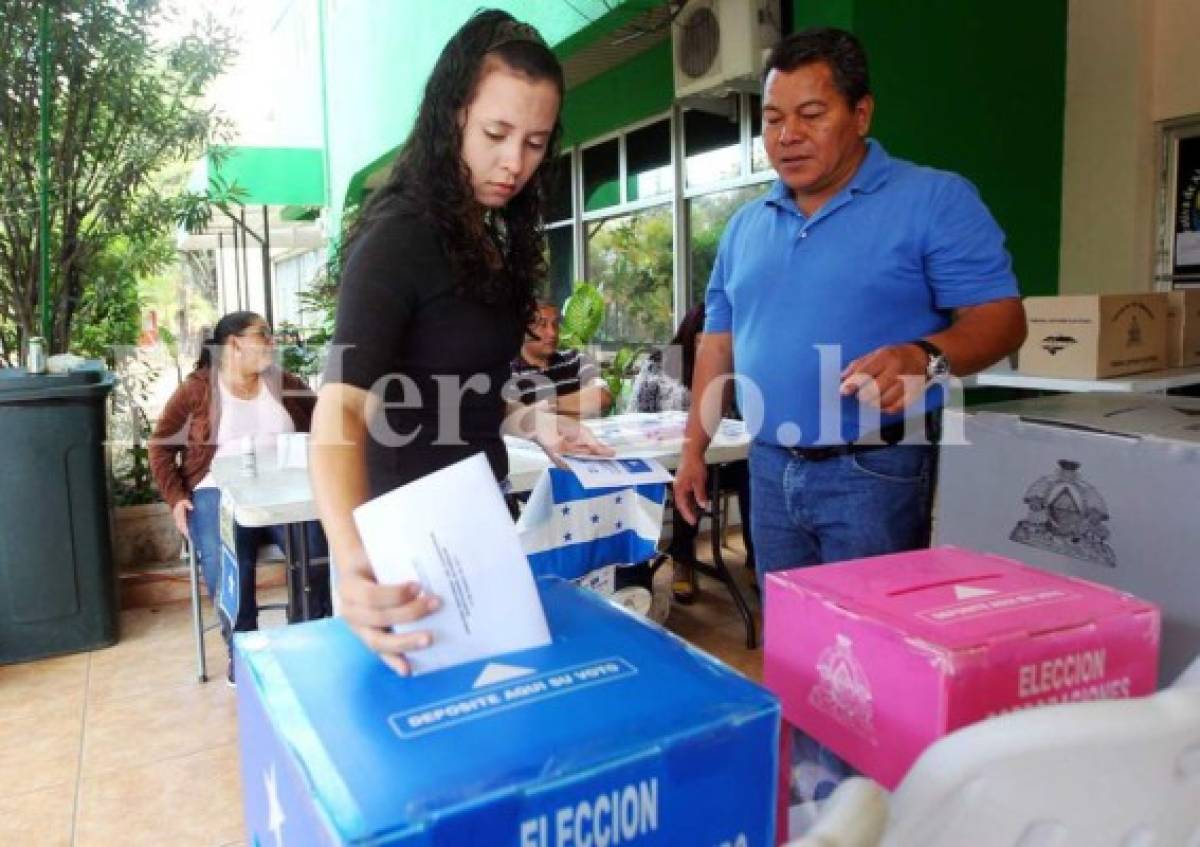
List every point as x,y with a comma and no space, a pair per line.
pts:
261,418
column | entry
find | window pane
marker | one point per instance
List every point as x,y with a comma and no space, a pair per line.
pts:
758,154
561,260
710,143
558,206
648,161
707,216
630,259
601,176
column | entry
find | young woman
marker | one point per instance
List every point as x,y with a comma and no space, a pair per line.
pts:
437,287
235,393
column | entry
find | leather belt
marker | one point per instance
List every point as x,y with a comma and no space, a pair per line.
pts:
887,436
821,454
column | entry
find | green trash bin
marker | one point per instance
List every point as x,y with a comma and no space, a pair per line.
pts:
58,590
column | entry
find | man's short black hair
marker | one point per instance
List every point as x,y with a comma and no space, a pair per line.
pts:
839,49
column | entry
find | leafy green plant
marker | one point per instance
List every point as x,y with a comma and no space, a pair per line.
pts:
582,316
617,371
132,482
303,348
124,105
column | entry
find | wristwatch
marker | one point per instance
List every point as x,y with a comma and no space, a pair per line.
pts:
937,368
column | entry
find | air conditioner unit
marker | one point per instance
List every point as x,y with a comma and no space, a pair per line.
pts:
720,45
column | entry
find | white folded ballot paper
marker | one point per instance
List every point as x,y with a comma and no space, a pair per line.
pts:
451,532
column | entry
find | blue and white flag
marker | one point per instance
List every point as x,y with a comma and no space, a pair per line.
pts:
567,530
229,593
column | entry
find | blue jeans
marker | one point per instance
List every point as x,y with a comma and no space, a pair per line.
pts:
845,507
204,527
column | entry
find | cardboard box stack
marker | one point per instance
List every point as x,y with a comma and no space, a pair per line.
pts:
1094,336
1183,328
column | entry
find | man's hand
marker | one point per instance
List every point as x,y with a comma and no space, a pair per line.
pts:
691,487
372,610
558,435
179,514
890,378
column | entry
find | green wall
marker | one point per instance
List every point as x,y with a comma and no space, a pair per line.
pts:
976,88
378,56
646,85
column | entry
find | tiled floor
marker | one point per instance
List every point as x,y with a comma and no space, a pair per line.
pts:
124,747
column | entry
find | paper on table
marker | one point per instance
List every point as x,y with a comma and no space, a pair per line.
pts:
451,532
291,450
615,473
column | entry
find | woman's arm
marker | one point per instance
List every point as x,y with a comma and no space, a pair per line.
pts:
167,442
338,470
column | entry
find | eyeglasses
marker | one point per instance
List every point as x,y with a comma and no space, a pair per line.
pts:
541,322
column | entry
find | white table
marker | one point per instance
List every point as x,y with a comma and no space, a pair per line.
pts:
274,496
657,435
1152,382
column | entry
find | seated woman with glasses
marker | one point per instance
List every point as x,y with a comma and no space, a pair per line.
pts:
236,396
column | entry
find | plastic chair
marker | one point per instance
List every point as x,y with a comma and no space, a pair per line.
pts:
1124,773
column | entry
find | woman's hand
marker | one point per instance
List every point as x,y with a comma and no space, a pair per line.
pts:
558,435
372,610
179,514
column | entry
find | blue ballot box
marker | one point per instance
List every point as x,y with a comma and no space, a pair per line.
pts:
616,734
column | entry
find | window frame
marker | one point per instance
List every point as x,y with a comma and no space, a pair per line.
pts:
1171,135
678,197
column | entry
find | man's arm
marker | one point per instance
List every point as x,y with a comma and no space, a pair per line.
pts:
893,377
982,335
555,434
591,401
710,387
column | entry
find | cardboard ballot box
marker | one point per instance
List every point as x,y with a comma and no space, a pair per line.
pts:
1183,328
1101,486
811,772
618,733
877,658
1094,336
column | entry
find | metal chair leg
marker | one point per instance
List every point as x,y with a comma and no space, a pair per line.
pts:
197,612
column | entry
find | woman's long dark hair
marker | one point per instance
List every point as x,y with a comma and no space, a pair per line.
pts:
235,323
691,326
429,177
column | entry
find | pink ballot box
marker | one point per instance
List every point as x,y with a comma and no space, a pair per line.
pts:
877,658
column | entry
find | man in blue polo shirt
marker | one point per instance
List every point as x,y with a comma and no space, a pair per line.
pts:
841,299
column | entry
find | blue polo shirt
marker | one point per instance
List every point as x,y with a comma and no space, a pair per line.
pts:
884,261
